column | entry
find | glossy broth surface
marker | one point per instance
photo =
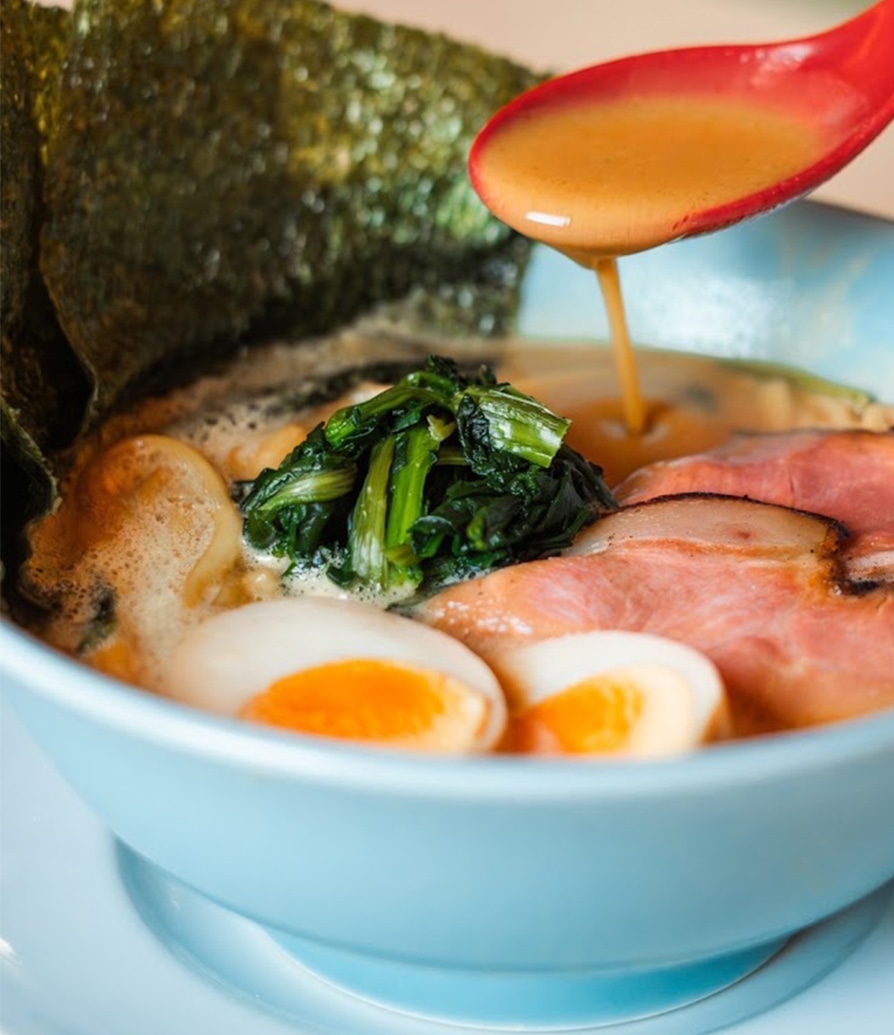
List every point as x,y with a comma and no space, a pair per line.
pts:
612,178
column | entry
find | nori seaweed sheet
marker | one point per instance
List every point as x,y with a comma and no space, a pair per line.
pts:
18,161
220,170
44,389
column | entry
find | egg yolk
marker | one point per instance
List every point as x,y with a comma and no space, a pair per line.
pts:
374,700
596,715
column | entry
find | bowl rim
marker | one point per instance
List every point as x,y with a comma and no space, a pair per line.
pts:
70,685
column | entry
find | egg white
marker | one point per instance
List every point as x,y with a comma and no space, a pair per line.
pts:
685,700
228,659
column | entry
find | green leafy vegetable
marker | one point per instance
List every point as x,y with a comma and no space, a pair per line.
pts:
416,451
369,562
438,478
289,508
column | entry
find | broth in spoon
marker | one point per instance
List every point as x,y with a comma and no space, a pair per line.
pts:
624,156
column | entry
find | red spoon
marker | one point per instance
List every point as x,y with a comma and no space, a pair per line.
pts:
835,88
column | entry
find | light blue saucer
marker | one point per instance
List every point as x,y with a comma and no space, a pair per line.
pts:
253,960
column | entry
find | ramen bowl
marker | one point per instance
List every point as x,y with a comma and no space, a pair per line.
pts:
502,891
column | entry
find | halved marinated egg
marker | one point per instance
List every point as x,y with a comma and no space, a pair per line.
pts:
611,694
341,669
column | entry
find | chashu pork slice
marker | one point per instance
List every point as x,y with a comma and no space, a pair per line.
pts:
847,475
756,587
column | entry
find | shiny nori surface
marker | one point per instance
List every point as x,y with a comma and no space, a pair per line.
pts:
43,388
219,171
18,160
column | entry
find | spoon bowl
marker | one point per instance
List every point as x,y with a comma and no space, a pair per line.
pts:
835,88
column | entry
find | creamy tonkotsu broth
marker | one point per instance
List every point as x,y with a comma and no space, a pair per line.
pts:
603,178
146,543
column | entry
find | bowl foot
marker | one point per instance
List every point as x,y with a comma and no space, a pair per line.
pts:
538,1001
339,990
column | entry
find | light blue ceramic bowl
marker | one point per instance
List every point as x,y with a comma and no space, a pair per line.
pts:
496,890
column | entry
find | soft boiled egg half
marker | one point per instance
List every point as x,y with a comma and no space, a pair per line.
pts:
340,669
611,695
